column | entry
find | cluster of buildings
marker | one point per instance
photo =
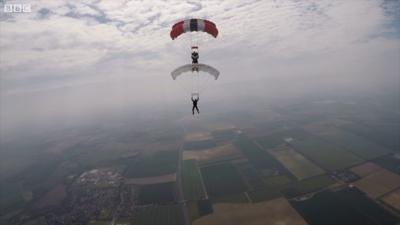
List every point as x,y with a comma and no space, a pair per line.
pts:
345,176
107,177
96,195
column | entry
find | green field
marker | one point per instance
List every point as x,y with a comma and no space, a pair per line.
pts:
272,189
389,162
236,198
259,158
275,139
354,143
199,208
10,198
157,193
38,179
264,195
192,183
158,164
296,163
278,182
270,141
306,186
224,135
325,154
221,180
156,215
385,135
347,206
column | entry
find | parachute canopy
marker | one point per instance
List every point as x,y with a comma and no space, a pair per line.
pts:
193,25
195,67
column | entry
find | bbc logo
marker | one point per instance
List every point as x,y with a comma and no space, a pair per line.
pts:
17,8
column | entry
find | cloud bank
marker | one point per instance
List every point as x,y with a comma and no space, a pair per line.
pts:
121,50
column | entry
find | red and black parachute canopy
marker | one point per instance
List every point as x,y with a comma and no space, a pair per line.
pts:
193,25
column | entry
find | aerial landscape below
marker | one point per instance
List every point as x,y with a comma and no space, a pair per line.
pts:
278,167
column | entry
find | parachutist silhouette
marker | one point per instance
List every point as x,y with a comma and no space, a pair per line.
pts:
195,57
194,101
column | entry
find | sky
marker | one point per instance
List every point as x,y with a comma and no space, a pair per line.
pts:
71,58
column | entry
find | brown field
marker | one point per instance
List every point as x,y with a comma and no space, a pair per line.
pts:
95,222
365,169
378,183
297,164
393,199
277,211
215,153
152,180
52,198
198,136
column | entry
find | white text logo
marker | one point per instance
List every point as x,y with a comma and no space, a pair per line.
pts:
17,8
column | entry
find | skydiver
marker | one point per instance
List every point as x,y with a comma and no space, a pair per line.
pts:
195,57
194,101
195,61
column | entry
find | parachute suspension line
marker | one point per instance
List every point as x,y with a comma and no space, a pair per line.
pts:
193,84
197,81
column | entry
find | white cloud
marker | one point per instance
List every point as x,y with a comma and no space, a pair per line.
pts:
133,36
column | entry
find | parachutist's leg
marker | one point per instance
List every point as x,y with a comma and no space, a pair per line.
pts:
193,110
197,110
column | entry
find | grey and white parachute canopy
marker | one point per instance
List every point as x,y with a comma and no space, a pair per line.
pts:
194,78
195,68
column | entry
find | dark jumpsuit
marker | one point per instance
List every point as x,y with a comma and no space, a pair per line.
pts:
195,105
195,57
